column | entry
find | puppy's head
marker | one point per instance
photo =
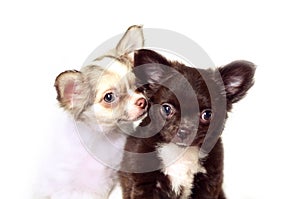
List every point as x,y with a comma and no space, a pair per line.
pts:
185,101
105,94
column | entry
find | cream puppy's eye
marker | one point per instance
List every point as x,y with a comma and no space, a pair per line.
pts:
109,97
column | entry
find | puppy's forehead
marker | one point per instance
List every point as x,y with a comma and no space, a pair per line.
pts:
112,65
118,68
111,73
188,89
111,80
108,79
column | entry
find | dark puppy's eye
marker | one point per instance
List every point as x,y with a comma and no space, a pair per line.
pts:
167,110
109,97
205,116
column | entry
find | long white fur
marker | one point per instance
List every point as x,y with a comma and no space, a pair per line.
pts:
68,170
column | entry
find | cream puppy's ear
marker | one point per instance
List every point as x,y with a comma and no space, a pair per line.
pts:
132,40
68,87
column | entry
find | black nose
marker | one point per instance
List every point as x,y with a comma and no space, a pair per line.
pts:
183,134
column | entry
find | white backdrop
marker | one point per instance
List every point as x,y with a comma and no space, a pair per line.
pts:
40,39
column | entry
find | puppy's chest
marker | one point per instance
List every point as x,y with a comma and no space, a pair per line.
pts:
180,165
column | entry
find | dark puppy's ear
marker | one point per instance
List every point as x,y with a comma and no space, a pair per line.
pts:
237,78
150,67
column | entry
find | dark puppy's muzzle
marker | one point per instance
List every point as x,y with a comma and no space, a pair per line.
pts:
183,133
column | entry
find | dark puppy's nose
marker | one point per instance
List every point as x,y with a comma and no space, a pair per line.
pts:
183,134
141,102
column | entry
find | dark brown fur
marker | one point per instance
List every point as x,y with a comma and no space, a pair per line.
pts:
181,82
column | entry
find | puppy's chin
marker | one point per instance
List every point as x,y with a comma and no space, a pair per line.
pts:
182,144
141,116
134,118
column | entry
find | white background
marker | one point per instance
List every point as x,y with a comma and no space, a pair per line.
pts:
40,39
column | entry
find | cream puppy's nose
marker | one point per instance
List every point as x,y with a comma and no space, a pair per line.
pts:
141,102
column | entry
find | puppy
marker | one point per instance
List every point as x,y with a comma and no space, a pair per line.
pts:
187,111
98,100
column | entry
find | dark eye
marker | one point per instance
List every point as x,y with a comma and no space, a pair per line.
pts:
109,97
205,116
167,110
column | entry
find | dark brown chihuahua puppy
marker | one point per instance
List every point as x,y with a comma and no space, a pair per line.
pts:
177,152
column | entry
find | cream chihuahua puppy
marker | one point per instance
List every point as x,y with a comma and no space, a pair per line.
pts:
100,101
